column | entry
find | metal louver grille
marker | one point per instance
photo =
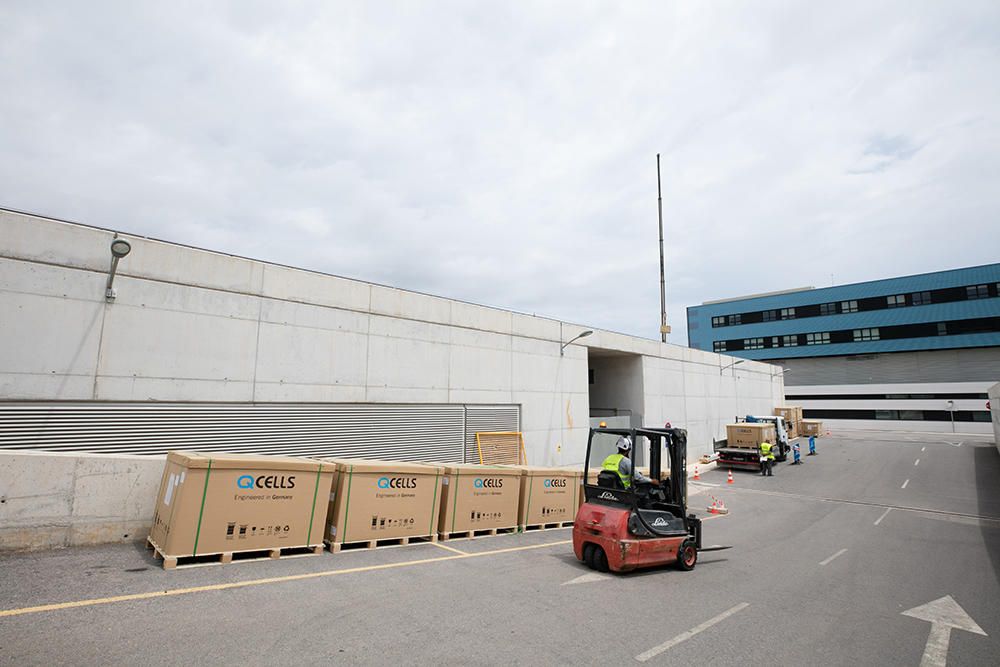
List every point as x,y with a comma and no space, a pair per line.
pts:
488,418
397,432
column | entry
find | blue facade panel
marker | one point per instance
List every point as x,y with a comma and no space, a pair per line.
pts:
702,335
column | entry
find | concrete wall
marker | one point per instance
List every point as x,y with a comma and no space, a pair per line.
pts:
56,500
200,326
995,413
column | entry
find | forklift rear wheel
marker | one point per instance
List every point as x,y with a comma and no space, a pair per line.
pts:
600,559
588,555
687,555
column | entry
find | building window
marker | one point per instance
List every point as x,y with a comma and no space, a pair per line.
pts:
896,300
865,334
887,414
818,338
977,292
774,341
848,306
753,343
921,298
790,341
788,313
942,329
827,309
734,319
719,321
770,315
719,346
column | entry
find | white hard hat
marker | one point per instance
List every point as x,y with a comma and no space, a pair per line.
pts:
624,444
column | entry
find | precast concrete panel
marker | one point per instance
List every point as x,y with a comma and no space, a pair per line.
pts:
281,282
409,305
293,314
480,317
479,368
401,363
530,326
310,356
182,265
171,344
53,242
68,330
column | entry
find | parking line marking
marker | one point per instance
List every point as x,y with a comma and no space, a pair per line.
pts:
917,462
827,561
923,449
445,546
260,582
684,636
879,520
904,484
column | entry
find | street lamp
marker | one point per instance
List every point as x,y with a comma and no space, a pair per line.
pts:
577,337
119,248
735,363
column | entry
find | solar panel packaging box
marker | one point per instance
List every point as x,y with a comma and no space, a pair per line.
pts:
793,418
812,427
378,500
548,495
479,497
749,435
212,503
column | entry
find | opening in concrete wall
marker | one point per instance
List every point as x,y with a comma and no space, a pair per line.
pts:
615,388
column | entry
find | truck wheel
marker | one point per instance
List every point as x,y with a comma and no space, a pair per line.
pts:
687,555
600,559
588,555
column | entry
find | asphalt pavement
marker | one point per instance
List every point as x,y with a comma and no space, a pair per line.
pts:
826,557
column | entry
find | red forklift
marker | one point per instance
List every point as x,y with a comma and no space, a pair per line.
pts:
645,523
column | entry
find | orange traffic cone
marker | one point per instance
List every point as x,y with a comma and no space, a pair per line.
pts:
696,475
713,508
721,508
730,480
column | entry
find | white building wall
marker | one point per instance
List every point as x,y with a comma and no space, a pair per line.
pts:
194,325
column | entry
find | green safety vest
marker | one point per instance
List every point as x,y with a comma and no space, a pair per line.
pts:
765,451
611,463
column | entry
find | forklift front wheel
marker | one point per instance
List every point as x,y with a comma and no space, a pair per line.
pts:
687,555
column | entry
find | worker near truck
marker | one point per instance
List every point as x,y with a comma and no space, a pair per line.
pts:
766,459
621,465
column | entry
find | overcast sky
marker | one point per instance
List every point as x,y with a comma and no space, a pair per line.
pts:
504,153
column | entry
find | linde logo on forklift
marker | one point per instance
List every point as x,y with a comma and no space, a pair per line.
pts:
554,483
607,495
660,521
266,482
488,482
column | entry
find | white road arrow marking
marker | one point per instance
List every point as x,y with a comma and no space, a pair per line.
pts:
587,578
943,614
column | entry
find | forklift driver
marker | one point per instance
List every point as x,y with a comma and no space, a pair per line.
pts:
619,463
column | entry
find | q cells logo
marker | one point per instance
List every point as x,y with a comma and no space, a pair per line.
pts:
244,482
266,482
557,483
397,482
488,482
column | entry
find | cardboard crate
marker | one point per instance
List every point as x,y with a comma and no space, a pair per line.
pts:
749,435
812,427
216,503
376,500
792,415
478,497
549,495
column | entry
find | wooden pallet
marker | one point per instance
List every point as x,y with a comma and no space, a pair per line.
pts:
337,547
484,532
224,557
547,526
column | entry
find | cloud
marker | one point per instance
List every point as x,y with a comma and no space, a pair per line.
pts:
506,154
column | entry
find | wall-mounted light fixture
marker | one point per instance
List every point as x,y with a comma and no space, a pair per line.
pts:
119,248
735,363
577,337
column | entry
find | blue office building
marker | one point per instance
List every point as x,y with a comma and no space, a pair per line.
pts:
915,348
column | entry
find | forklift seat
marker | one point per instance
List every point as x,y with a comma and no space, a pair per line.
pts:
610,480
